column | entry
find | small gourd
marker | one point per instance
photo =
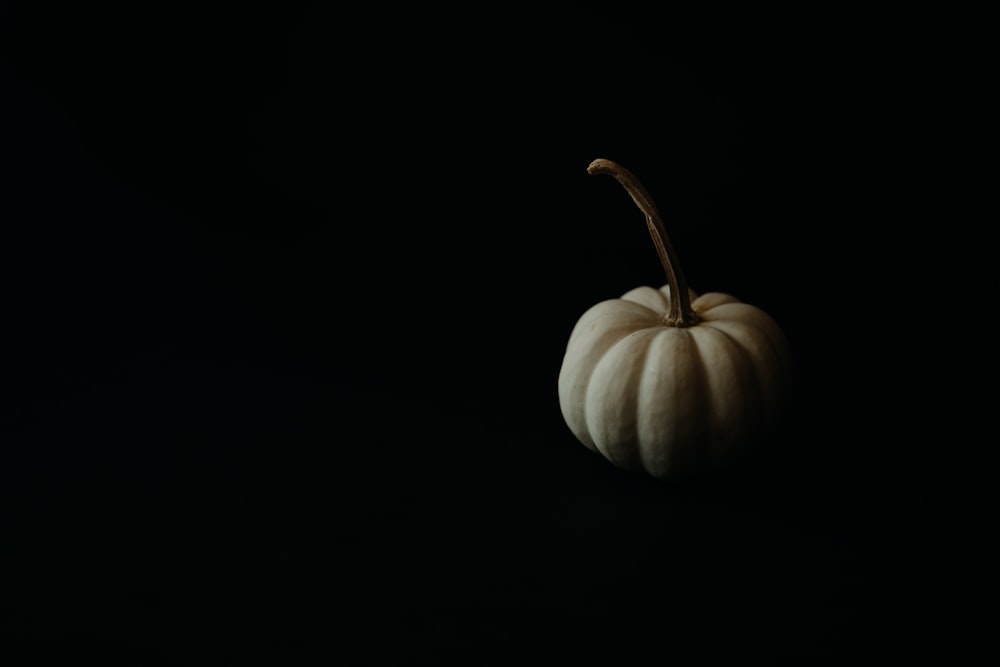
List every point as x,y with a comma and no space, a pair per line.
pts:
669,382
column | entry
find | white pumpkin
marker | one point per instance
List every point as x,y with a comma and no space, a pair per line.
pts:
672,386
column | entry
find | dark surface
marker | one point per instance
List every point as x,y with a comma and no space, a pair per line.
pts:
285,294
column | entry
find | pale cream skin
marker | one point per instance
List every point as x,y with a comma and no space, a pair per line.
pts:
672,386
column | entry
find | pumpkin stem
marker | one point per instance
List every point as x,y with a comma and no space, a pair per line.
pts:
681,314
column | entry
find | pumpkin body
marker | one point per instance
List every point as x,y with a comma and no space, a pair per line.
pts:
672,400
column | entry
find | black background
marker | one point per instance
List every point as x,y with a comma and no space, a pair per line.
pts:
286,290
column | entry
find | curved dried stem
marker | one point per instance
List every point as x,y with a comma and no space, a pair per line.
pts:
681,314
